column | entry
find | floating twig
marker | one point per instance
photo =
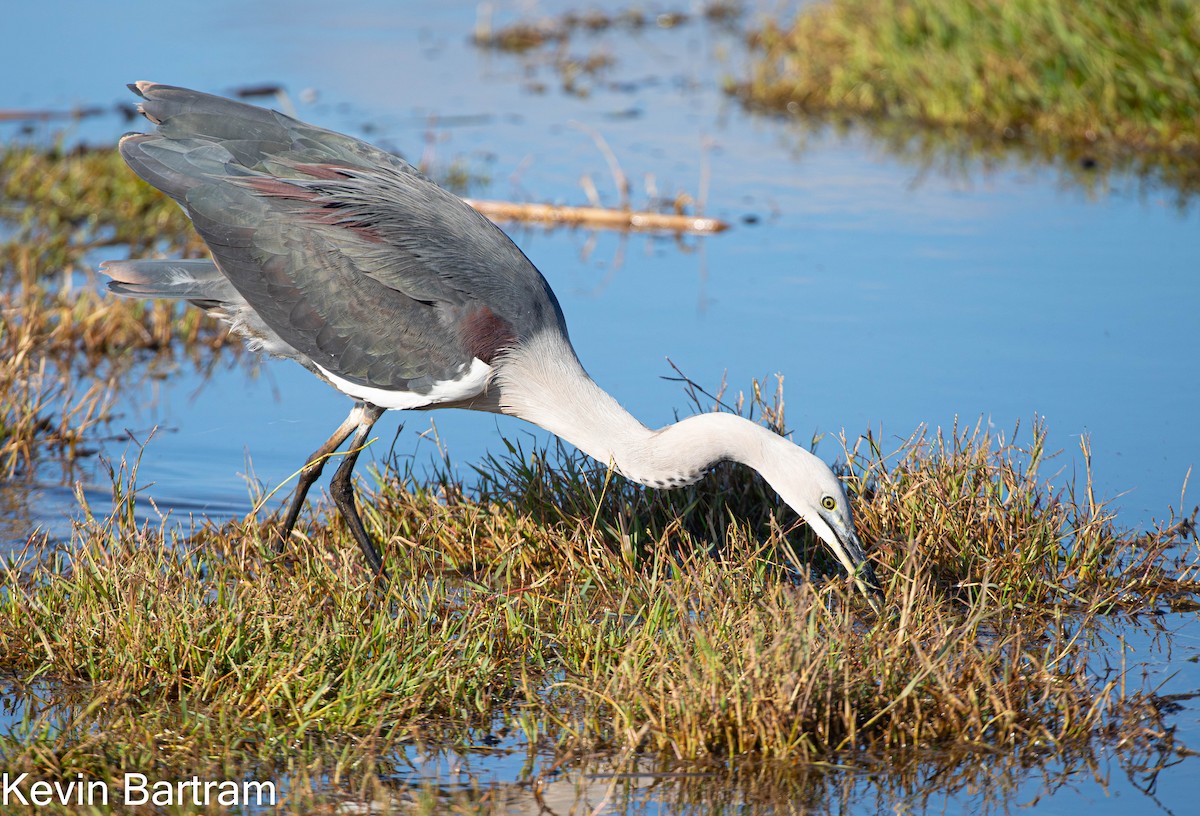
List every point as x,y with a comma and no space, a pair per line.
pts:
603,217
13,115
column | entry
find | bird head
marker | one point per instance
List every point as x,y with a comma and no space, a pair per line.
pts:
816,494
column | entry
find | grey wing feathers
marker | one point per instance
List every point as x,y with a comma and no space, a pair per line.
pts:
249,133
345,252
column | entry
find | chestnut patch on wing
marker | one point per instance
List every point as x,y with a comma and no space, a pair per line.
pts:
329,172
485,334
278,188
331,212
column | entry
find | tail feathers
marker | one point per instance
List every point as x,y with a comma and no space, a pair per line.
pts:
183,280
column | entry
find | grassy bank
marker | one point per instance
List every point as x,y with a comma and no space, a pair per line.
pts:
588,616
1069,72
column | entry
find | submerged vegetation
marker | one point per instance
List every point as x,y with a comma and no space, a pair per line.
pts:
1104,76
548,39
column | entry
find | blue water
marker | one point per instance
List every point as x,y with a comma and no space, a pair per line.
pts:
888,296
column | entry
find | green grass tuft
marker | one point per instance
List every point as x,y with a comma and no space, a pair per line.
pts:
1063,71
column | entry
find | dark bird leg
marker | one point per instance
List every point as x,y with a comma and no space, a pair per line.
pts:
342,489
312,471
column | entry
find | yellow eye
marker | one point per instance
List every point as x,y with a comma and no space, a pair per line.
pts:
829,502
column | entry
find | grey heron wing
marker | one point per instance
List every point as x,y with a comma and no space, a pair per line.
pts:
255,137
306,281
352,257
436,240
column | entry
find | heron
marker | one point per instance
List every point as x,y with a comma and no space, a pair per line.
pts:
345,258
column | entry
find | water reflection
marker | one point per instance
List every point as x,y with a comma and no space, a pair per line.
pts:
1095,171
503,774
512,778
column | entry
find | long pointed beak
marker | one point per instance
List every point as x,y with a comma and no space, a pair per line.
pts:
850,552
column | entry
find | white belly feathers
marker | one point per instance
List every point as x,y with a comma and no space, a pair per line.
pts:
470,383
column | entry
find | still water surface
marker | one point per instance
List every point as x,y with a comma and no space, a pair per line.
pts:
888,294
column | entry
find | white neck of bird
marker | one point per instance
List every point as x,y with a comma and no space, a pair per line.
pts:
544,383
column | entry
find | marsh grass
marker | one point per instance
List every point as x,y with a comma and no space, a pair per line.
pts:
66,203
980,511
1104,77
64,344
580,615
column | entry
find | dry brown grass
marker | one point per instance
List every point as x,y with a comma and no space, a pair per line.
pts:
62,342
